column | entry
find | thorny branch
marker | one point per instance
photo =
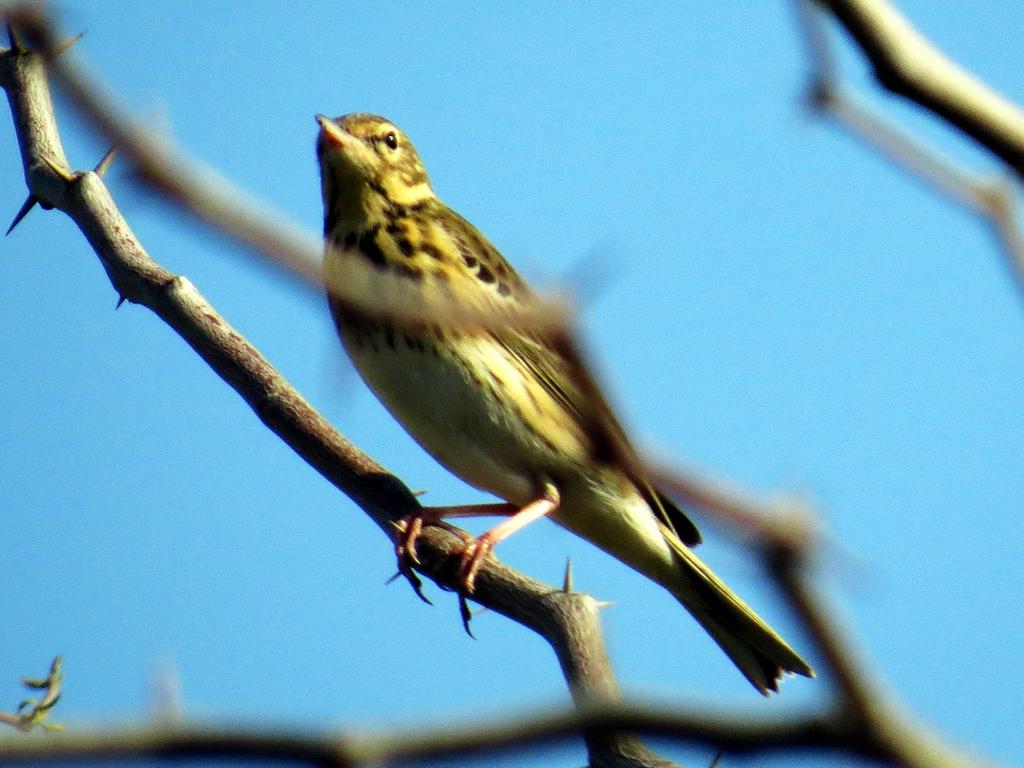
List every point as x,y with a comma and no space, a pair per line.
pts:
568,621
862,721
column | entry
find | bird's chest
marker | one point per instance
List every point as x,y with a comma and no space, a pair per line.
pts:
441,389
414,374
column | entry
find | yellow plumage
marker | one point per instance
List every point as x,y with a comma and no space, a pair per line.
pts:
511,411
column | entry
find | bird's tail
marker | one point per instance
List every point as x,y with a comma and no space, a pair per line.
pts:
761,655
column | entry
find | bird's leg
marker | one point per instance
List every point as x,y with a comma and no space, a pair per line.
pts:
476,549
475,552
498,509
411,526
405,548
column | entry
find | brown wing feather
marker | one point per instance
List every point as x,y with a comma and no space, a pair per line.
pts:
557,364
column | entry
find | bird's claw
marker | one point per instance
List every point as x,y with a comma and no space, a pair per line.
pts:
465,614
410,528
405,551
406,572
470,561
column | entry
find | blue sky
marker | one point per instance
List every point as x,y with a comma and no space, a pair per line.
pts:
766,299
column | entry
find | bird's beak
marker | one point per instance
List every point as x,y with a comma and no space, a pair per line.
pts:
332,133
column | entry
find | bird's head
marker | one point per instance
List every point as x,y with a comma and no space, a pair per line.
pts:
367,165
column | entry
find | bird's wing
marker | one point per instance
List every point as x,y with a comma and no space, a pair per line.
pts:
557,364
554,360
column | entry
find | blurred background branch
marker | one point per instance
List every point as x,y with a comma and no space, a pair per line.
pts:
34,713
862,720
907,64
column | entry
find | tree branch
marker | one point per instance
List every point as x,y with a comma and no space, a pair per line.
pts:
858,724
908,64
738,735
569,622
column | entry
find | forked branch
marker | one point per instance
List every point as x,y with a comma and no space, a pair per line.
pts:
861,721
909,65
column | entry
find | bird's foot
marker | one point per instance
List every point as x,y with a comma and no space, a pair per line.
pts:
472,558
410,530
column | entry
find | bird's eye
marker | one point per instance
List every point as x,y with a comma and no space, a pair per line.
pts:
391,139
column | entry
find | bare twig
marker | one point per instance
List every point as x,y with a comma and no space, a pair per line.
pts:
906,63
874,719
785,523
735,734
35,713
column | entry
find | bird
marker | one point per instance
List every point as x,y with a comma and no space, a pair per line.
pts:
509,408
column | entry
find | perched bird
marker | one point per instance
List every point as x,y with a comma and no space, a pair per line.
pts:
509,409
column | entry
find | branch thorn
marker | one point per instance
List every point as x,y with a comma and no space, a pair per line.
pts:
27,206
12,36
105,161
55,52
65,173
